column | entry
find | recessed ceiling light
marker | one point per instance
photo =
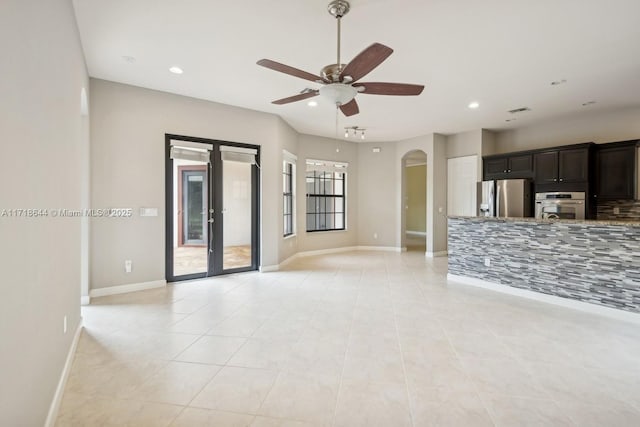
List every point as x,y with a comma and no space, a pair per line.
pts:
586,104
312,104
129,59
473,105
558,82
176,70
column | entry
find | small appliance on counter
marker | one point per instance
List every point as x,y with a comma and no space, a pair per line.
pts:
505,198
557,205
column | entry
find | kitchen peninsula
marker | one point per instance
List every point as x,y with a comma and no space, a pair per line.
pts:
596,262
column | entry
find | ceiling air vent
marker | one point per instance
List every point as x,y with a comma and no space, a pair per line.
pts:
519,110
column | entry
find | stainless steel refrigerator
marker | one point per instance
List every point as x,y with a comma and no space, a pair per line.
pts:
505,198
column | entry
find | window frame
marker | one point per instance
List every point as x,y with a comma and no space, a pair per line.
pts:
320,183
288,173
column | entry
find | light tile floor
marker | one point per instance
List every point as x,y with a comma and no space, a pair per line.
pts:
193,259
354,339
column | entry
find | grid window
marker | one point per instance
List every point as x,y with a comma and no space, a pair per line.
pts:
325,200
287,192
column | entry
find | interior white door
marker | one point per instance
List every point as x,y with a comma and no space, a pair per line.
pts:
462,174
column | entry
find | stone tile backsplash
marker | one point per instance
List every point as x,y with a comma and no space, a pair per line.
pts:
589,262
629,209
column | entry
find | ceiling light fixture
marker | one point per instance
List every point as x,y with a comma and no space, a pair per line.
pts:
473,105
176,70
355,130
312,104
338,93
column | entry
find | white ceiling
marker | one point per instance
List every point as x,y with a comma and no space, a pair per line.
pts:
501,53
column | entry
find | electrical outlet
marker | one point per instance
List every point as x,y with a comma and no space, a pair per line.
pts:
487,262
127,266
64,324
616,211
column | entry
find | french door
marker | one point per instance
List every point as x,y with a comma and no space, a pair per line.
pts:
211,207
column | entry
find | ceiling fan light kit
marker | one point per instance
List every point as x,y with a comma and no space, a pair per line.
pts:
339,80
338,93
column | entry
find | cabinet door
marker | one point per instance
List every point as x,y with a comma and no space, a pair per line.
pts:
495,168
573,165
615,173
521,166
546,167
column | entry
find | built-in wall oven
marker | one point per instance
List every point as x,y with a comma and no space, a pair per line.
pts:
560,205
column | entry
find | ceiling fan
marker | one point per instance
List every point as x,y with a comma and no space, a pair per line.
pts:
340,81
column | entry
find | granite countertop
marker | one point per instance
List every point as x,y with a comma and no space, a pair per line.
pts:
619,221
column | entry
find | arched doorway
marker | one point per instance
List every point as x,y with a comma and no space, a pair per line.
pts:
414,201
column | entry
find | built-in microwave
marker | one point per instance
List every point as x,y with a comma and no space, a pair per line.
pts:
558,205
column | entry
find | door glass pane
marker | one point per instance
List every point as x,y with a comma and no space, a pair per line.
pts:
190,226
237,211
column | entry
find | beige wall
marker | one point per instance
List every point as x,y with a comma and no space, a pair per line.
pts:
315,147
437,205
416,198
599,127
128,126
43,73
288,137
377,211
488,143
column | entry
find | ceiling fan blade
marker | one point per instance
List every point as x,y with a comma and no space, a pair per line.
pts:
295,98
399,89
350,108
366,61
276,66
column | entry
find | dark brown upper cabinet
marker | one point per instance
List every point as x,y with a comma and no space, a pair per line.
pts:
508,167
562,166
546,167
615,170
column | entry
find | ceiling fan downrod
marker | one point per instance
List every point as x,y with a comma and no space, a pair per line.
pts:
338,9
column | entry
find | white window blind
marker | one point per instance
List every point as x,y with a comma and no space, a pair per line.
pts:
187,150
326,166
238,154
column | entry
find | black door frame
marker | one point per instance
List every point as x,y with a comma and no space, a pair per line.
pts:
215,254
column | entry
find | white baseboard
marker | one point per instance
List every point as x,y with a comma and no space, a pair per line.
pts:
54,408
270,268
435,254
327,251
123,289
85,300
379,248
416,233
550,299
